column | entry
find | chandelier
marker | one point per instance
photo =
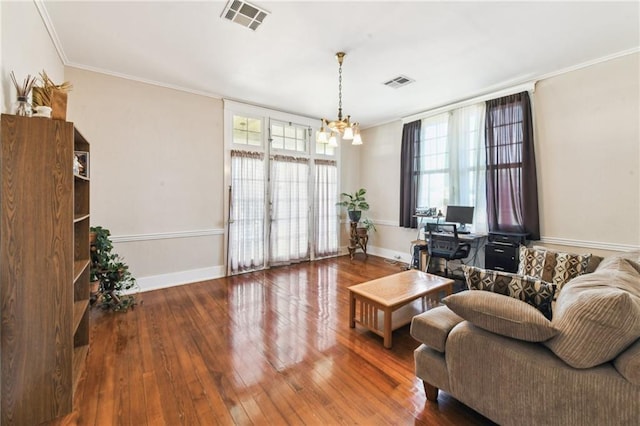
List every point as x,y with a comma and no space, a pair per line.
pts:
342,126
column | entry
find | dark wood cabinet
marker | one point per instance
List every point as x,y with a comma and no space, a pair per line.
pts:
44,269
502,252
501,257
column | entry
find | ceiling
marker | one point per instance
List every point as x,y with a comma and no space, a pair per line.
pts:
453,50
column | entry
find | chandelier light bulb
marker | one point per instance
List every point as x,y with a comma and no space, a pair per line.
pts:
321,135
348,133
333,141
357,139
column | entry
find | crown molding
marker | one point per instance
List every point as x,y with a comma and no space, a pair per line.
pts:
44,15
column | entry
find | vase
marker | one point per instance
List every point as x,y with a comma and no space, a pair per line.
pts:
22,107
354,215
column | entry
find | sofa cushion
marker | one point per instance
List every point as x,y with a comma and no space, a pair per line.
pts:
597,315
502,315
628,363
433,327
613,262
534,291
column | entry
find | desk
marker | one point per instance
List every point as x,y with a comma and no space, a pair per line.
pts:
477,241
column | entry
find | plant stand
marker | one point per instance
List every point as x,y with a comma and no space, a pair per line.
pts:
358,240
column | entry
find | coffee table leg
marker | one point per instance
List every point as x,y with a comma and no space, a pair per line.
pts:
449,289
387,328
352,310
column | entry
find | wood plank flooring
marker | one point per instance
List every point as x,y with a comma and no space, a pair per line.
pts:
270,347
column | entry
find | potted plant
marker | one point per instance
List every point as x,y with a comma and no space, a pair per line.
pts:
368,225
111,272
355,204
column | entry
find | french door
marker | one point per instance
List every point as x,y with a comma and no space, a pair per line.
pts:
282,200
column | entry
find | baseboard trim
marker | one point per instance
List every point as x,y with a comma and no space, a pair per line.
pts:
173,279
394,255
166,235
589,244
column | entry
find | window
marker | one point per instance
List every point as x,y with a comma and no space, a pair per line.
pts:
512,195
451,162
325,149
247,131
289,137
433,163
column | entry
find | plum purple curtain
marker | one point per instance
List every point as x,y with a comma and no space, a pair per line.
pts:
410,152
512,189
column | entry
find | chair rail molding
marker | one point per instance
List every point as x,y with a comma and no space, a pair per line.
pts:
167,235
589,244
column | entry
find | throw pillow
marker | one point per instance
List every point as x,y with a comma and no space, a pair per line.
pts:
597,316
501,315
568,266
534,291
532,262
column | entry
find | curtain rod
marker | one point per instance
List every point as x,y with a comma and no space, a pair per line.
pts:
528,87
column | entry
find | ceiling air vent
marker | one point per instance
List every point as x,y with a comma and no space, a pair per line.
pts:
245,14
399,81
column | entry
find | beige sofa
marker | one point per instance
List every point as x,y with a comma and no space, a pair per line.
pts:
504,359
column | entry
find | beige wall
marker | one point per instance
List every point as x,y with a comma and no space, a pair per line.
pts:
156,171
26,48
588,155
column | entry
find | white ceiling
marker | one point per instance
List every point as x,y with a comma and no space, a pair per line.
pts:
454,50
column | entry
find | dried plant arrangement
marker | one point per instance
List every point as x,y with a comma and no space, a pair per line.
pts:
43,95
24,89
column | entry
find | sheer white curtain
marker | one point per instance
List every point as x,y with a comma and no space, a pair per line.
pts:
325,209
246,215
289,239
467,165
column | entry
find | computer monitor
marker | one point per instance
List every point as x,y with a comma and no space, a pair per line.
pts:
459,214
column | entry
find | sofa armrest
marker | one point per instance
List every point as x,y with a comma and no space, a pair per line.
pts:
433,327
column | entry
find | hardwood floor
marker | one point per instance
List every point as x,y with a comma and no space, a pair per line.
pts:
271,347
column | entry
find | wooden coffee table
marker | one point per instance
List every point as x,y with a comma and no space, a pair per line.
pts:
389,303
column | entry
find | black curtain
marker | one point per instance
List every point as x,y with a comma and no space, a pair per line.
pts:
512,189
409,156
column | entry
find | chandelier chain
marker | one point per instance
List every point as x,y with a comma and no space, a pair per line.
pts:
340,92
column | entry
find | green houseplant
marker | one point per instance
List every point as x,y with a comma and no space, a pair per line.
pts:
109,269
368,224
355,204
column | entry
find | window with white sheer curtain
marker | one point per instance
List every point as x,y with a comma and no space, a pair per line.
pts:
325,209
246,212
289,239
283,191
452,166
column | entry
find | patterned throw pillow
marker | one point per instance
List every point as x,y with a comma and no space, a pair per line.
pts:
532,262
535,292
568,266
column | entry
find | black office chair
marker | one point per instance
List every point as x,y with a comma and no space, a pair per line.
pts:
445,244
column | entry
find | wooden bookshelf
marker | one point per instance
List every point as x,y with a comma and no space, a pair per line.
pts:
44,279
